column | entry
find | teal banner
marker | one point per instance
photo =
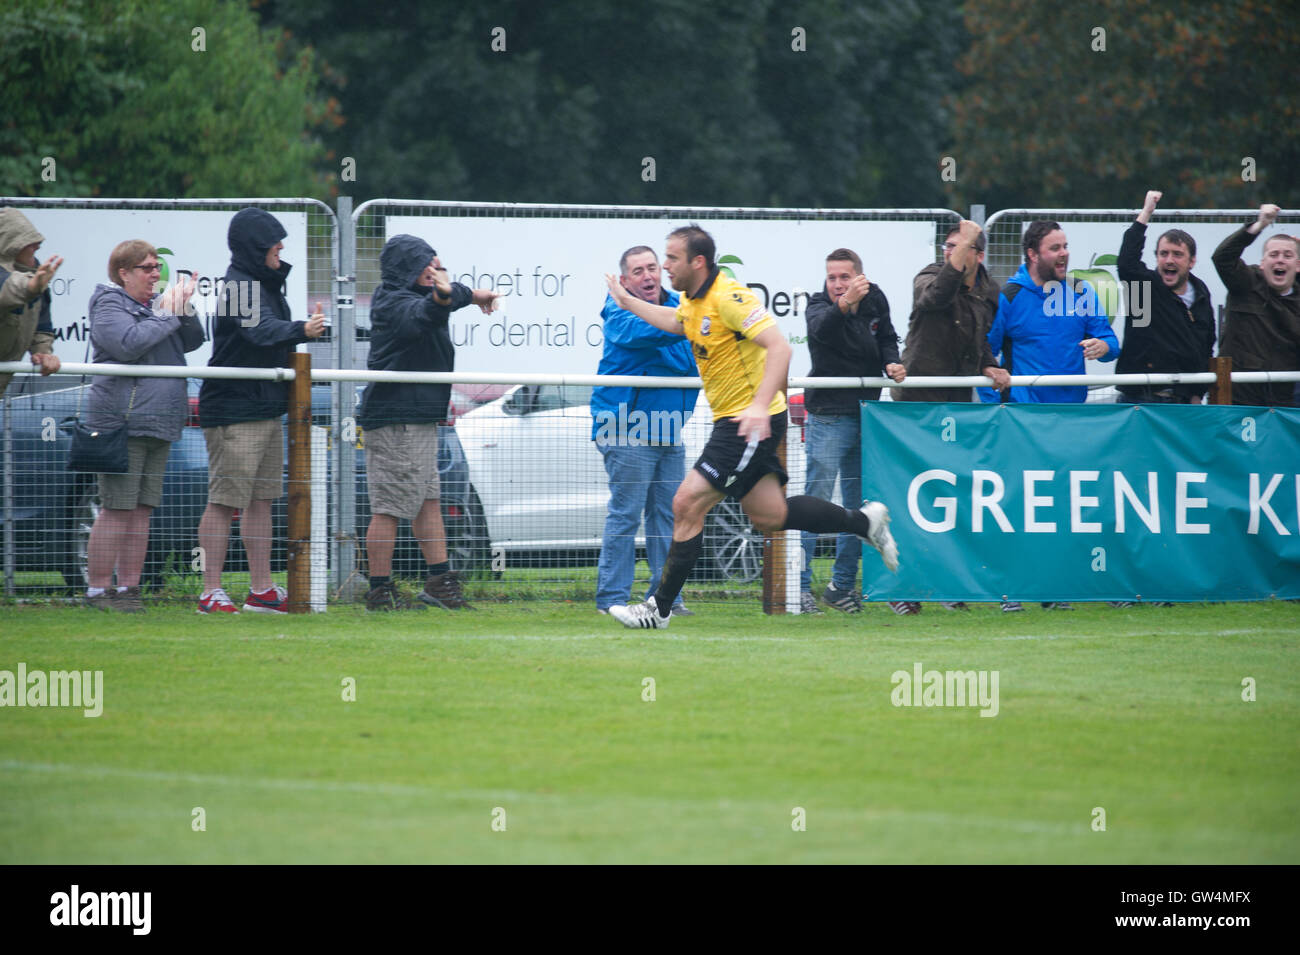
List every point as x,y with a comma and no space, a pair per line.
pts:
1085,502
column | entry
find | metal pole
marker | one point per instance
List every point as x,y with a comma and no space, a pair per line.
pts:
299,544
774,546
1221,390
343,543
8,465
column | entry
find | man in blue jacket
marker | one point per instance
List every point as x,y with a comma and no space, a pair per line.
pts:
241,418
1047,323
638,432
409,316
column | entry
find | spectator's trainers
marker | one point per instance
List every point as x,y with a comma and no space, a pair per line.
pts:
641,617
1012,606
680,610
128,601
443,590
387,597
808,603
275,600
1056,605
216,601
879,536
845,600
954,605
905,608
1121,604
102,601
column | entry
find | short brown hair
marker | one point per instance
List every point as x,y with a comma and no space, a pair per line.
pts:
1038,230
846,255
1285,238
698,242
127,255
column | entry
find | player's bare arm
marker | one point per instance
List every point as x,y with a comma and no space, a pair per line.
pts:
755,422
661,317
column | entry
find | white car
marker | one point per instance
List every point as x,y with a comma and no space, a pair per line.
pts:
542,482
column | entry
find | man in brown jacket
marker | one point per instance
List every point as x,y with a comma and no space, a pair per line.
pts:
952,310
1261,330
24,296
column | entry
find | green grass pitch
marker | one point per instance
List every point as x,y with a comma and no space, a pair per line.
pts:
534,718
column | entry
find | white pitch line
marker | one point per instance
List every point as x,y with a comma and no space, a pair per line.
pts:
424,792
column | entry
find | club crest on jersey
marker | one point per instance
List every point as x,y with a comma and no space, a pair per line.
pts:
705,325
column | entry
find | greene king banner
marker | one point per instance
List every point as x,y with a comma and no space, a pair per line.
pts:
1085,502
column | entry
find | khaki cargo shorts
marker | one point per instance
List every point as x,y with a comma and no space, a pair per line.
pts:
402,468
245,462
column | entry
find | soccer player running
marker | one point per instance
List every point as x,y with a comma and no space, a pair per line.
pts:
744,361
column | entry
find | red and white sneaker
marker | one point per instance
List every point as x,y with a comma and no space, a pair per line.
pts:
216,601
275,600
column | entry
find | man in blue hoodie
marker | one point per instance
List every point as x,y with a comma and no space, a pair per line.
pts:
409,316
241,418
1047,323
638,432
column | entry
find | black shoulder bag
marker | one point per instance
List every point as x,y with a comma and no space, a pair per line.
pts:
96,450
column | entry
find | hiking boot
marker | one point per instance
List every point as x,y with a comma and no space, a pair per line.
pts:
128,601
386,597
443,590
845,600
808,603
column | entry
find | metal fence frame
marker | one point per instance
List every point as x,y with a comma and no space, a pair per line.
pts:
351,256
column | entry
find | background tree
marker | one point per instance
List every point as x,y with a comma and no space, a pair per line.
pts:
584,92
1179,99
120,98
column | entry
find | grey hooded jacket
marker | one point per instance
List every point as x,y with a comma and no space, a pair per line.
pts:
124,331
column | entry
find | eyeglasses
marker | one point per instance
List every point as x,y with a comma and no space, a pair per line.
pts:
156,267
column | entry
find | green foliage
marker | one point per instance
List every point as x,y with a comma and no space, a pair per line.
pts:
1181,95
116,93
585,91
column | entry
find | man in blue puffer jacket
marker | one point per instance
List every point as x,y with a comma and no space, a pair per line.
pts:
409,316
638,432
1046,323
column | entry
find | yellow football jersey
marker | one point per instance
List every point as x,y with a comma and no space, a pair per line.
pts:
721,322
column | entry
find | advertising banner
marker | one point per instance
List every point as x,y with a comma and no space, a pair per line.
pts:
1085,502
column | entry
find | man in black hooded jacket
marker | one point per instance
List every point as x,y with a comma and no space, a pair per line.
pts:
409,315
241,418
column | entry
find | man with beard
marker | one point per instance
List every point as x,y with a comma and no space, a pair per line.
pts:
1176,332
850,336
1261,331
744,361
1048,324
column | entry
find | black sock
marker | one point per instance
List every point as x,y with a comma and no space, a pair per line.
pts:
806,513
379,581
436,570
682,556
